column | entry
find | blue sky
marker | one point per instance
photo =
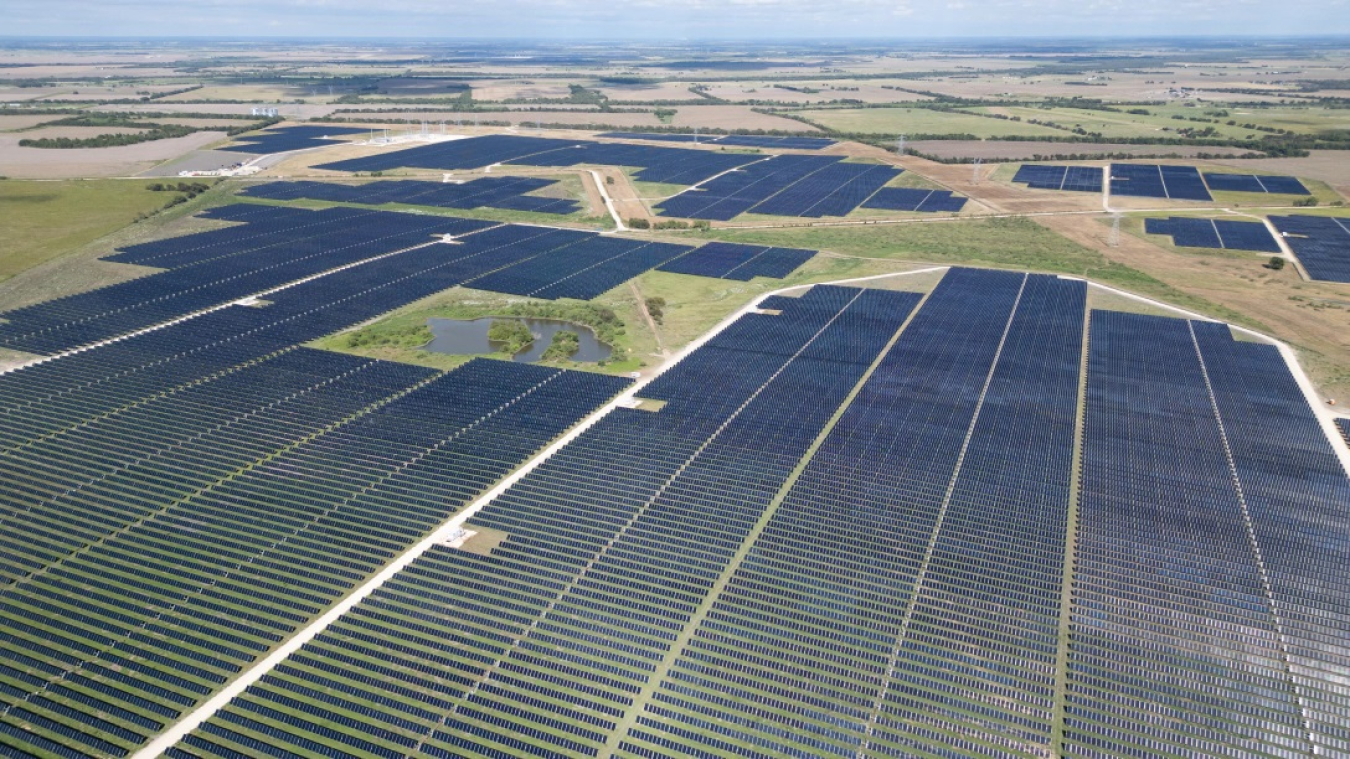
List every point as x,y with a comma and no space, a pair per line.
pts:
673,19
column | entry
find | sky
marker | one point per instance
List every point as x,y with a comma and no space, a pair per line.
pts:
671,19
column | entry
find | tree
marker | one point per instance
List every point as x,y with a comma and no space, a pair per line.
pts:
636,223
563,345
511,336
656,306
1276,263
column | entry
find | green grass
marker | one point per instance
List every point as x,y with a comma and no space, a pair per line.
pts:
921,121
1013,243
41,220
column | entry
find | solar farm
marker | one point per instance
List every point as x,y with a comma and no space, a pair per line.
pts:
884,440
1154,181
889,569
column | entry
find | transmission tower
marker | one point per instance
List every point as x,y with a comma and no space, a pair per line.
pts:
975,171
1114,240
900,145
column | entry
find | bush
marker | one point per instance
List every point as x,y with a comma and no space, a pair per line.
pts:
636,223
1305,202
513,336
564,344
656,306
1276,263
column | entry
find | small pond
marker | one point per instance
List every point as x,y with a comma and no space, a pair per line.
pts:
469,337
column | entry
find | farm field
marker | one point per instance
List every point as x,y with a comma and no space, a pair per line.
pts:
920,121
40,221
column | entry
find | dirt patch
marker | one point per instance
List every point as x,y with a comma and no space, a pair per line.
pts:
1278,303
10,123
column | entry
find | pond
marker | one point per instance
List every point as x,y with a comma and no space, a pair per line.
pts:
470,337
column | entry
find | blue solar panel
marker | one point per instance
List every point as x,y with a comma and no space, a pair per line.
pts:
1072,178
1322,244
739,262
1256,183
284,139
1214,233
913,199
492,192
1158,181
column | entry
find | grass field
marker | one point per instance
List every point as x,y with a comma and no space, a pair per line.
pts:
921,121
1014,243
40,221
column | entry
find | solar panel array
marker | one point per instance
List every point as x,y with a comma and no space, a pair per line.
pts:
210,269
1214,233
1206,608
785,185
492,192
913,199
928,557
1158,181
282,246
739,262
540,647
177,503
283,139
1322,244
747,140
581,265
1075,178
1256,183
657,164
1344,426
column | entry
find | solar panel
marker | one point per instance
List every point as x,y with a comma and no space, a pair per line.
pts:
1321,243
283,139
1256,183
490,192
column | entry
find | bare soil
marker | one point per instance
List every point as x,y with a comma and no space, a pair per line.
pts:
123,160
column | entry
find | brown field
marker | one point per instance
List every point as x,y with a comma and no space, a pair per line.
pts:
1010,150
868,91
287,110
125,160
505,89
11,123
734,117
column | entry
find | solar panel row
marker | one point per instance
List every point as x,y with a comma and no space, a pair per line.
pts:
1074,178
285,139
582,265
739,262
492,192
788,185
1255,183
1296,496
912,199
1158,181
1207,482
1214,233
1322,244
657,164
